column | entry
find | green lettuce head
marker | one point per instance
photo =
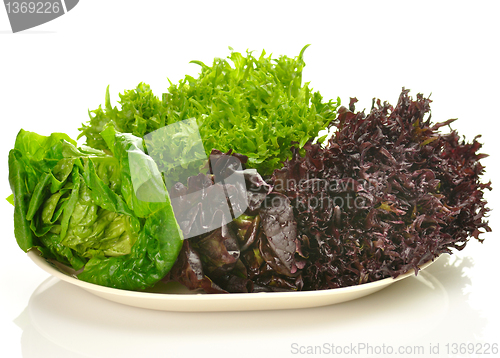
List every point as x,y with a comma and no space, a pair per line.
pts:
80,207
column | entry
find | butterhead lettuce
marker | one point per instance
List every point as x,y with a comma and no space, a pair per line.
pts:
79,206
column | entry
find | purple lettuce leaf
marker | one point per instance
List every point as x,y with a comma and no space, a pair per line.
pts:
388,193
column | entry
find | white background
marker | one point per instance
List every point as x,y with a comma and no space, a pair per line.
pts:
51,75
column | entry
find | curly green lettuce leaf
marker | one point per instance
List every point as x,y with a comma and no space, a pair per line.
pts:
141,112
256,106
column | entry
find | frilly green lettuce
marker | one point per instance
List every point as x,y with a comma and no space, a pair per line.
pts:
258,106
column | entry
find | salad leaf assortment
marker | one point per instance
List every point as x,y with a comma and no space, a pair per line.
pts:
387,192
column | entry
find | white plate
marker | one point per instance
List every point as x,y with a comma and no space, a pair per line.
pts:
175,297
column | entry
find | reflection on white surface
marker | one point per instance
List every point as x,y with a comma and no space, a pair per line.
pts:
62,320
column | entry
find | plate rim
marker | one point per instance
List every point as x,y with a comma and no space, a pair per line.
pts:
41,262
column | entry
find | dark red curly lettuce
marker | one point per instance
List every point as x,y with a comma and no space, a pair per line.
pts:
388,193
